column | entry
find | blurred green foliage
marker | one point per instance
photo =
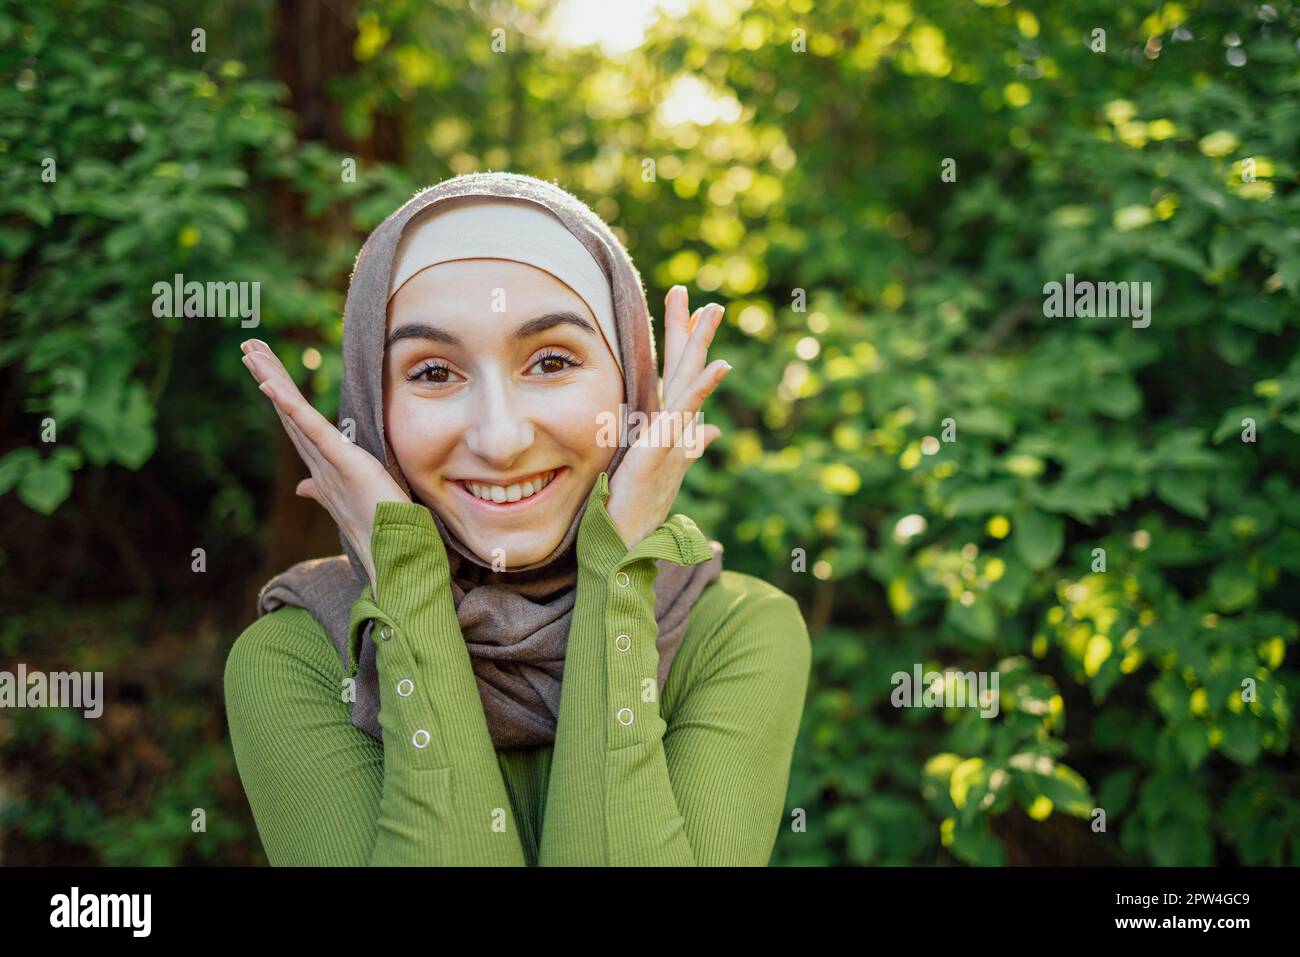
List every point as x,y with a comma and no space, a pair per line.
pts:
943,459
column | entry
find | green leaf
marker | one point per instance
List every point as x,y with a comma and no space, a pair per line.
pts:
1038,538
1185,449
14,466
1081,500
1117,397
13,242
974,844
1171,696
863,842
1116,791
1184,491
1235,344
1193,743
43,487
1174,843
1230,423
983,500
134,441
1240,738
1065,788
977,620
1228,247
1232,587
1179,254
985,421
1258,313
122,240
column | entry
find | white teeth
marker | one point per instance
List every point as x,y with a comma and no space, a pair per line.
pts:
511,493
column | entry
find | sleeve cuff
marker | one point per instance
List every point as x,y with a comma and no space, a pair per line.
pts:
364,610
388,516
601,548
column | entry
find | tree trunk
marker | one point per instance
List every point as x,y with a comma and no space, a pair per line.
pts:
314,42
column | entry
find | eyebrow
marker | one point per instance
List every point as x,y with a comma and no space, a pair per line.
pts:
421,330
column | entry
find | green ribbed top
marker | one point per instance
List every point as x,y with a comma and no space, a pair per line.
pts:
696,776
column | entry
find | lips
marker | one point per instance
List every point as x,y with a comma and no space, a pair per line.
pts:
511,497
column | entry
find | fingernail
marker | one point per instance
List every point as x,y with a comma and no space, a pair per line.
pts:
265,387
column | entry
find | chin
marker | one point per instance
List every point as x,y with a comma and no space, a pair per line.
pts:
519,534
515,555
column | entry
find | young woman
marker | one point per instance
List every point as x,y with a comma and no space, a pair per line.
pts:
522,659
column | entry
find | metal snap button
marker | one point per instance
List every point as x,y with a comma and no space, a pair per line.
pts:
405,687
622,579
421,738
385,632
625,716
622,642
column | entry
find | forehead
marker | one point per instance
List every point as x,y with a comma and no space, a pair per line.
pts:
465,290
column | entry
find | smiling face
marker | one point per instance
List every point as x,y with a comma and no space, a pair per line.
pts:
494,415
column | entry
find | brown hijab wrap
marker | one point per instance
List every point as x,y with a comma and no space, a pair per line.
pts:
516,623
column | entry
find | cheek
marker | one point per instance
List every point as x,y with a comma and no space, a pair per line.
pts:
573,416
420,438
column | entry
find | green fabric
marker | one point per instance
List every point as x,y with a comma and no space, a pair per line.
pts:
697,777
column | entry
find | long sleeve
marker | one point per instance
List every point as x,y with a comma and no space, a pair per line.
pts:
627,789
432,793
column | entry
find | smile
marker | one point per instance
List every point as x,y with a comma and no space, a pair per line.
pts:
512,497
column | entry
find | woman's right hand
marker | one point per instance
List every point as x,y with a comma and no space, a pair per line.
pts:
346,480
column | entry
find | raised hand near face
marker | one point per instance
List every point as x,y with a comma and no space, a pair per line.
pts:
345,479
647,481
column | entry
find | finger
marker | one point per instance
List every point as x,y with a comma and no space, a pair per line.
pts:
259,348
309,489
691,398
254,359
307,451
677,326
259,359
265,364
698,443
687,419
691,361
251,366
709,434
314,427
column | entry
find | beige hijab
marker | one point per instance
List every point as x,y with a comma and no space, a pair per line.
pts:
515,624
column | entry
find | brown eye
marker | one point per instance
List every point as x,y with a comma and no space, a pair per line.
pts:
433,373
556,362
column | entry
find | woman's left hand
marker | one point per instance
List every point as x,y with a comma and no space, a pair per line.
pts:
645,484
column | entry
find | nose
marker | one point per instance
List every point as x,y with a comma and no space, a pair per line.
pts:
502,429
